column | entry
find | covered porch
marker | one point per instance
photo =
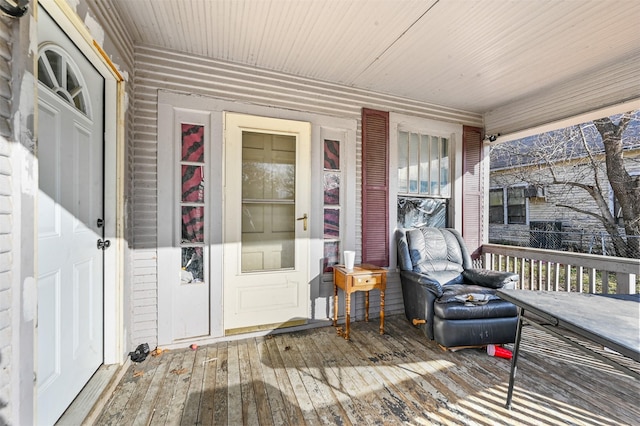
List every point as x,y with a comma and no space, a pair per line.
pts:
316,377
463,76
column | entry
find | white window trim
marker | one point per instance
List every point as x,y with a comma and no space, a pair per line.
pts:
426,126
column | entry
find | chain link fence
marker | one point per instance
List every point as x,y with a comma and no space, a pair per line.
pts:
576,241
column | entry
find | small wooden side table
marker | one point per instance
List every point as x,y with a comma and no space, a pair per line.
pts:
361,278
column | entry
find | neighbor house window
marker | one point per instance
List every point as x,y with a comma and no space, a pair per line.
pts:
496,206
516,206
424,179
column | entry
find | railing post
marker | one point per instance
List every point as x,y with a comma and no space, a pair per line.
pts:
579,279
626,283
592,280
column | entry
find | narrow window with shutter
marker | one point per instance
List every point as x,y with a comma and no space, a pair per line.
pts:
375,187
472,189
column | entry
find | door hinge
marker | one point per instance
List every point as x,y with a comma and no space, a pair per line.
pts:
103,245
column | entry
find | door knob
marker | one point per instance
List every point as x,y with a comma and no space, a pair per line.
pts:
304,219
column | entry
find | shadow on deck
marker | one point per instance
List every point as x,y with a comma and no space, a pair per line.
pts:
316,377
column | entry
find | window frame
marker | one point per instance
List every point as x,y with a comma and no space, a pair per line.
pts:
501,205
452,131
419,164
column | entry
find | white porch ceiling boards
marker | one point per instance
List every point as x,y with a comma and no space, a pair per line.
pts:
477,56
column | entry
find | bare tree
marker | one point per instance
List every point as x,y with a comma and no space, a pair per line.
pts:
587,159
626,188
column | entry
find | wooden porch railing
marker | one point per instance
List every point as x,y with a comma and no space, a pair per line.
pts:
552,270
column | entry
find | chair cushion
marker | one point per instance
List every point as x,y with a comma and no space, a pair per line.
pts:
461,301
431,251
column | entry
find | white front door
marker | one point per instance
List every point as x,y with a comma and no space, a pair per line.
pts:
70,221
267,207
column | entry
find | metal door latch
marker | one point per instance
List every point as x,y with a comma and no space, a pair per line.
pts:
304,220
103,245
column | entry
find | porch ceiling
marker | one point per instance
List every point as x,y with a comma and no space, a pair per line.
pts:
471,55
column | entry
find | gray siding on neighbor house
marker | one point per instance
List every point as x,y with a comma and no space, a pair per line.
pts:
6,228
162,70
580,229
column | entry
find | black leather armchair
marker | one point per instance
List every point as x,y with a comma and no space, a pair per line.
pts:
446,297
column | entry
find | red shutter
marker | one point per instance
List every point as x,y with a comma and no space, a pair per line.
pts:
472,189
375,187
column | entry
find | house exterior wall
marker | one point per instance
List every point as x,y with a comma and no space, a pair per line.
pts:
18,192
546,209
6,215
17,201
172,71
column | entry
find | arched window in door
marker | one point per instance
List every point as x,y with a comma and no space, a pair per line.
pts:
58,72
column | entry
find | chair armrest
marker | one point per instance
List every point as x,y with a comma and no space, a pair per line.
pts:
423,280
490,279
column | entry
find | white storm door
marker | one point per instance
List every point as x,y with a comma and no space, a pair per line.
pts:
266,241
70,208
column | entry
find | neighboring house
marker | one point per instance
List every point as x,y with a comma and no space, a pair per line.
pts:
139,162
527,209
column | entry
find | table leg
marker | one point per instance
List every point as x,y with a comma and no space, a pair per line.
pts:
335,305
514,360
381,312
347,309
366,306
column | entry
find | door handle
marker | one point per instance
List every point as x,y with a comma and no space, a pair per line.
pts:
304,219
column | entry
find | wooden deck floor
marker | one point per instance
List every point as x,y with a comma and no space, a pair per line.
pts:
315,377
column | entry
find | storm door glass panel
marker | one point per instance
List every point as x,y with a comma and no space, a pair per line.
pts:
268,202
192,200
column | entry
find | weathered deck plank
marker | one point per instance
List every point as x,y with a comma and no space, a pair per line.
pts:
315,377
220,394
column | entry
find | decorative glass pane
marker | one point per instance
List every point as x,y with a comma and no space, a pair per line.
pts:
331,155
332,188
331,255
192,265
424,164
414,158
192,184
192,143
192,224
57,73
444,168
403,162
331,223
